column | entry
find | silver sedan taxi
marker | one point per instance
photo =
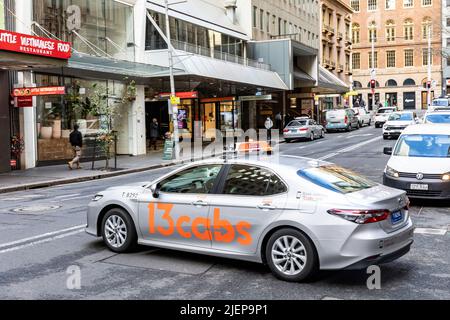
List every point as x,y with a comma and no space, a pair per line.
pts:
303,128
297,215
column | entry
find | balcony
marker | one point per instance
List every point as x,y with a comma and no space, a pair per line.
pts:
340,36
331,31
325,28
348,70
326,63
216,54
332,65
348,39
340,68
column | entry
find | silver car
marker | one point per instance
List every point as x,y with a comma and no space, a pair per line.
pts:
296,215
303,128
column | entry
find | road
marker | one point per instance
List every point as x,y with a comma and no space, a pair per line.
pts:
41,236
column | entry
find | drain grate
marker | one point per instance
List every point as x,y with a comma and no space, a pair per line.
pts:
35,208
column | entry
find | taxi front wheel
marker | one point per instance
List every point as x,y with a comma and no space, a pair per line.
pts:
118,231
291,256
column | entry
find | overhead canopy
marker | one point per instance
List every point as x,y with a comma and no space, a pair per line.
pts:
328,82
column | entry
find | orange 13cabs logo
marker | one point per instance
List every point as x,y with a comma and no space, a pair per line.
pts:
211,232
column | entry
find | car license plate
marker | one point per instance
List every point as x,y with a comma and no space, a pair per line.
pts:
419,186
396,217
293,130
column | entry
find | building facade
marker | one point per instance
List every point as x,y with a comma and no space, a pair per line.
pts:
400,29
446,48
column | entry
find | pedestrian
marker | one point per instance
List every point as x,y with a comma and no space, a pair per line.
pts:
154,133
356,104
76,140
268,124
279,121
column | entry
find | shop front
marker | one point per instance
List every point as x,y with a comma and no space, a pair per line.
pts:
222,113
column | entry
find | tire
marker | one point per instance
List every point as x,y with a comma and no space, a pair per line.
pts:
370,122
287,140
385,137
349,128
117,217
299,268
311,136
322,134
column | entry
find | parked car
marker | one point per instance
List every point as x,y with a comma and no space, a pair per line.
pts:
439,103
397,122
437,117
341,119
295,214
363,116
303,128
420,162
382,115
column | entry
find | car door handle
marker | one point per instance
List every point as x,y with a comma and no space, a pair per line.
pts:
266,207
199,203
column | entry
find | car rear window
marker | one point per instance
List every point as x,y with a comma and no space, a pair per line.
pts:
297,123
438,118
336,179
385,111
335,113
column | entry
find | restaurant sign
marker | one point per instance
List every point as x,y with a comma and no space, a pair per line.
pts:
38,91
24,43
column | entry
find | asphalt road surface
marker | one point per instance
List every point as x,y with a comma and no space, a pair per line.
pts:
42,237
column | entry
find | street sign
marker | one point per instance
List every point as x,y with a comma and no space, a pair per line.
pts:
373,73
174,100
168,150
433,84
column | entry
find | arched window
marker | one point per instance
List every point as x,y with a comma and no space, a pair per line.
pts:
409,82
391,83
357,84
426,27
373,31
390,30
356,30
377,84
408,29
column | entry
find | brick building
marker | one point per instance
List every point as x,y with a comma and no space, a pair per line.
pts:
401,50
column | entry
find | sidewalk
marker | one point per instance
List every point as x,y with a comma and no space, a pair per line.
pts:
60,174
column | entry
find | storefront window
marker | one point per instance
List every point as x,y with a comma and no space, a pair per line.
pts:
185,112
105,24
209,120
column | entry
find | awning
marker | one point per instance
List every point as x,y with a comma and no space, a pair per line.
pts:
299,74
328,80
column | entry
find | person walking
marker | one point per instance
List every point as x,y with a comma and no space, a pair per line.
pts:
268,124
154,133
279,121
76,140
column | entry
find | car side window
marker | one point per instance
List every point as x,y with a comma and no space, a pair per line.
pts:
199,179
252,181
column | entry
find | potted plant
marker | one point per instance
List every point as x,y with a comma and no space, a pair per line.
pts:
17,147
130,91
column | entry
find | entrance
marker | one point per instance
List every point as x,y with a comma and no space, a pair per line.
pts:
391,99
221,113
377,100
424,99
158,110
409,100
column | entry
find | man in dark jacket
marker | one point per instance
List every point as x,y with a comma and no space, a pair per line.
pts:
154,133
76,140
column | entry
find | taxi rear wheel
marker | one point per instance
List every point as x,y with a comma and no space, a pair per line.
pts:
291,255
118,231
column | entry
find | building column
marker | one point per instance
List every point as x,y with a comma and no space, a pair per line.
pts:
136,122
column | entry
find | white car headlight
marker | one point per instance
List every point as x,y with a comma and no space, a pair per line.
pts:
391,172
97,197
446,177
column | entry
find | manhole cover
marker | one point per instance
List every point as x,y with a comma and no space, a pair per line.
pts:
38,208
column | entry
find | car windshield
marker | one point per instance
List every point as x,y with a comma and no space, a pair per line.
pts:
423,145
336,179
385,111
438,118
297,123
400,117
440,103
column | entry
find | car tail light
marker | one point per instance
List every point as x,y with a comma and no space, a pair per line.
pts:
346,119
360,216
286,130
303,129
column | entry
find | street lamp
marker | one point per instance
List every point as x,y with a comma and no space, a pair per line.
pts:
373,72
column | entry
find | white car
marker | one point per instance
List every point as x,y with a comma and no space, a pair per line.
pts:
363,116
420,162
397,122
382,115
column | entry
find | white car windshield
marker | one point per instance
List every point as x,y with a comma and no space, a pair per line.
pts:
423,145
380,111
400,117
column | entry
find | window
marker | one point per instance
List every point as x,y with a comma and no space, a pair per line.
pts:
408,3
425,57
255,10
372,5
356,33
268,22
193,180
252,181
261,19
356,60
390,30
390,83
390,4
390,59
426,28
370,60
427,3
355,5
373,31
409,82
423,145
357,84
409,58
408,29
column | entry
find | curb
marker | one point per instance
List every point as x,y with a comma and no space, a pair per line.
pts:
50,183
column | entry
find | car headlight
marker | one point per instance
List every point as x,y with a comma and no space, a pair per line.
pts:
391,172
97,197
446,177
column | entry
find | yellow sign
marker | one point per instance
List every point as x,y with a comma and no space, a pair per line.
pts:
174,100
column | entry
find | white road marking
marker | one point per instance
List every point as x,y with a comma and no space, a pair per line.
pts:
67,196
44,235
440,232
348,149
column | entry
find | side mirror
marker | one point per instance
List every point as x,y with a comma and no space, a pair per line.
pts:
155,190
387,151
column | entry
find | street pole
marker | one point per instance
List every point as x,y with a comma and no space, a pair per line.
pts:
373,67
429,69
173,109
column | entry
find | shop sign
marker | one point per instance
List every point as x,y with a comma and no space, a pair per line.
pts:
181,95
448,82
24,43
174,100
38,91
256,98
168,150
223,99
23,102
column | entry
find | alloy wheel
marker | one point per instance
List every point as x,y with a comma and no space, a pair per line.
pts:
289,255
115,231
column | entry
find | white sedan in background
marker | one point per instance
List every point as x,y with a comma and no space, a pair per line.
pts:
397,122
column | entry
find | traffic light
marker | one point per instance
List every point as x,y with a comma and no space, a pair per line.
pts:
428,84
372,84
